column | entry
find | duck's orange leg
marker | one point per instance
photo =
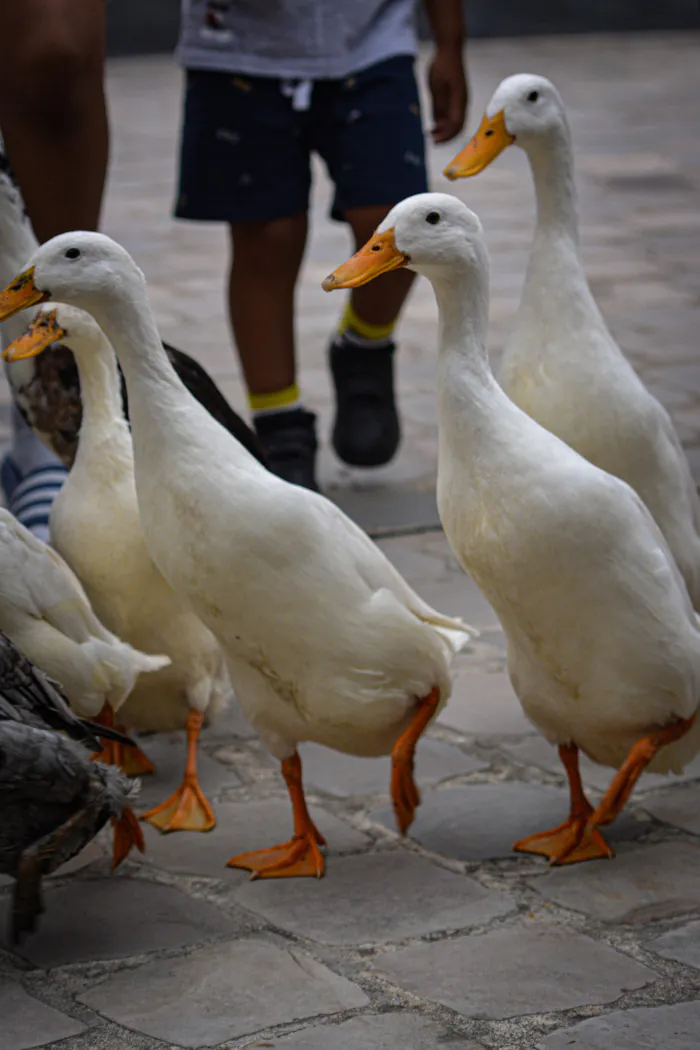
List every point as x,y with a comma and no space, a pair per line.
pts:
301,855
127,833
404,793
187,809
131,760
574,840
641,754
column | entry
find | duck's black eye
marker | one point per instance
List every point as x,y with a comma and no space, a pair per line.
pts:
72,253
433,217
533,96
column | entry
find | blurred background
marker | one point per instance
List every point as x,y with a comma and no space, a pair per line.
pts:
143,26
629,76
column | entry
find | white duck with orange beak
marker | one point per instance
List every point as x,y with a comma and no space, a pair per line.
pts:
603,642
562,365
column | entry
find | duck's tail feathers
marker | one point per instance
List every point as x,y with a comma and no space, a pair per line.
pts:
119,666
453,630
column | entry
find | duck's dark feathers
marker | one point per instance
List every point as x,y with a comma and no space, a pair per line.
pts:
29,697
53,799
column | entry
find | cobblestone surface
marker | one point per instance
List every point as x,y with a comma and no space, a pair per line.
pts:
446,939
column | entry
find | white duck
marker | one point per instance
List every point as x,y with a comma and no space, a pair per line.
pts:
324,639
47,392
95,525
603,643
46,613
562,365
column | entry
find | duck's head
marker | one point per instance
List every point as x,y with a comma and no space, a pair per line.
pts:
431,233
79,269
524,110
56,323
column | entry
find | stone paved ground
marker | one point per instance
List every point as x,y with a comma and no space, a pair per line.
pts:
446,939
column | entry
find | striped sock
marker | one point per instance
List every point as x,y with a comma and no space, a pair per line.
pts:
353,329
31,477
286,400
32,498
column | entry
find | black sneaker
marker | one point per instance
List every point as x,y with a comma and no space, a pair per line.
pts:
366,432
288,442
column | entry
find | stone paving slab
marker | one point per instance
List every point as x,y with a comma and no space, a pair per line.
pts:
638,886
241,826
221,992
644,1028
346,775
168,751
682,945
482,821
528,969
377,510
372,899
484,704
679,806
377,1032
536,751
26,1022
113,918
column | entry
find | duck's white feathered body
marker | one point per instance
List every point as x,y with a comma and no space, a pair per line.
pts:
95,525
562,365
46,613
565,370
603,643
324,639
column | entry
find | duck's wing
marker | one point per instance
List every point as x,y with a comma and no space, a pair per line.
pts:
377,571
42,584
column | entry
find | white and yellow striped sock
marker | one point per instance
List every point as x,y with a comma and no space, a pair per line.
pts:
285,400
361,333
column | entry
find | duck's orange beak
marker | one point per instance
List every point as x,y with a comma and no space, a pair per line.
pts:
19,294
378,256
490,140
42,332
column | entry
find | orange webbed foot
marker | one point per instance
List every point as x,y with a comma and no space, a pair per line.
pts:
569,843
127,834
187,809
136,763
299,857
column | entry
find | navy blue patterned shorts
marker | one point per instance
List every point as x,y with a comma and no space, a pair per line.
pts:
246,151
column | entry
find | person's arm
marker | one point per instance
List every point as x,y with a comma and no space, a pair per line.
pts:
53,114
446,76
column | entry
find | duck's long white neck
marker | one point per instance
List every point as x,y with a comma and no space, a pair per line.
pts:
468,394
103,425
551,161
165,417
555,290
154,388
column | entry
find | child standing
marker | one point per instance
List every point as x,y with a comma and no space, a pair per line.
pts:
267,85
